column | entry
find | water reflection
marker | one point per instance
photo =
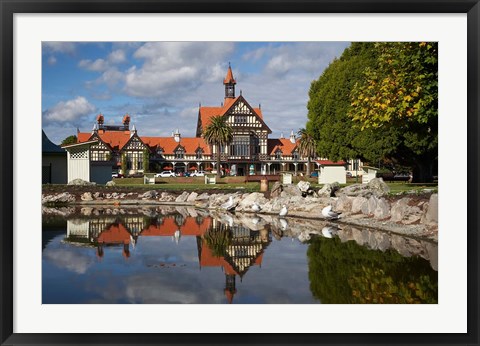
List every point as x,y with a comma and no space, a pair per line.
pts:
125,248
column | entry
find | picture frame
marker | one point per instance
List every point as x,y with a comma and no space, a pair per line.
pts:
7,175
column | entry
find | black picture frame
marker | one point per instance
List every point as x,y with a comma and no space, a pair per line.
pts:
10,7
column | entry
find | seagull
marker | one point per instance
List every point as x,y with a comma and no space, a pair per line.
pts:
283,211
229,205
176,236
329,213
327,232
283,224
256,207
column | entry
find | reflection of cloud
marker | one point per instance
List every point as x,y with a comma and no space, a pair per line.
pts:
69,259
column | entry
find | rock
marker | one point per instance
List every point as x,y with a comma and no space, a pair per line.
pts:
376,187
80,182
97,195
110,183
248,200
166,197
182,198
192,196
291,190
202,197
344,204
382,211
431,215
399,209
277,189
357,204
328,190
149,194
87,196
304,186
404,213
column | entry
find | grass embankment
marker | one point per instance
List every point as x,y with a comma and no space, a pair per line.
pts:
225,184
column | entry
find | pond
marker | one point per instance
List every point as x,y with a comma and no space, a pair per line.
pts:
177,255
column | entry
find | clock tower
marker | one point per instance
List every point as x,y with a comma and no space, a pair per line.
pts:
229,83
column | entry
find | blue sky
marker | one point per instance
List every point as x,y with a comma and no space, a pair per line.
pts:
160,84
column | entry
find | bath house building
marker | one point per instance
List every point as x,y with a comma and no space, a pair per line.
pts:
251,151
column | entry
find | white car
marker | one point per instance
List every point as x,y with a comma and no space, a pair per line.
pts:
165,174
198,174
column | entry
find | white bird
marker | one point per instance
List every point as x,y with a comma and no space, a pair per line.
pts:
229,205
329,213
283,211
176,236
256,207
327,232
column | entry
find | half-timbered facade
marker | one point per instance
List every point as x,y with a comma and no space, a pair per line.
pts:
250,152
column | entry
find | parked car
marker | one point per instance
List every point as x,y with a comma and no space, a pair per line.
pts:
165,174
197,174
117,175
314,174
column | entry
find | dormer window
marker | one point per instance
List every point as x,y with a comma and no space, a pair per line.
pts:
199,154
295,155
159,151
278,155
179,153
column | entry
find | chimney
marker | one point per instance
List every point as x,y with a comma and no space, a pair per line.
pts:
133,131
126,121
292,137
176,136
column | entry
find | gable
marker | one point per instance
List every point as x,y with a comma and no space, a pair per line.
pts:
240,113
134,144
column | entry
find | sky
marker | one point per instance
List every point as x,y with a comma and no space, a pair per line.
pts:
161,84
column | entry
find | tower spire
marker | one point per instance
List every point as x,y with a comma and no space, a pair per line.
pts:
229,83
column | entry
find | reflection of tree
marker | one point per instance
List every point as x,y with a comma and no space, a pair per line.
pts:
345,273
218,238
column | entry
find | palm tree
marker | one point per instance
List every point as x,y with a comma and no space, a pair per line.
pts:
307,147
218,133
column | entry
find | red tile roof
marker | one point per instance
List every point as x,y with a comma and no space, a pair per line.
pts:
115,234
168,144
168,228
206,113
115,139
284,144
229,77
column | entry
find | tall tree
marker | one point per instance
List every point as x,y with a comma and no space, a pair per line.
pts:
329,104
69,140
307,147
218,133
400,97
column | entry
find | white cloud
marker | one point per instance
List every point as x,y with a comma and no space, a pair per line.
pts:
98,65
59,47
71,110
171,67
52,60
117,56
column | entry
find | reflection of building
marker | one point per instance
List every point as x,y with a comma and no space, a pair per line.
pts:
244,249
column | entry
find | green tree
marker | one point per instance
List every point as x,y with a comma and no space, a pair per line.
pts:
69,140
307,147
330,103
400,98
124,164
218,133
146,160
348,273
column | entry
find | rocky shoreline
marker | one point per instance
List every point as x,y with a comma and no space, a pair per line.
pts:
366,206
